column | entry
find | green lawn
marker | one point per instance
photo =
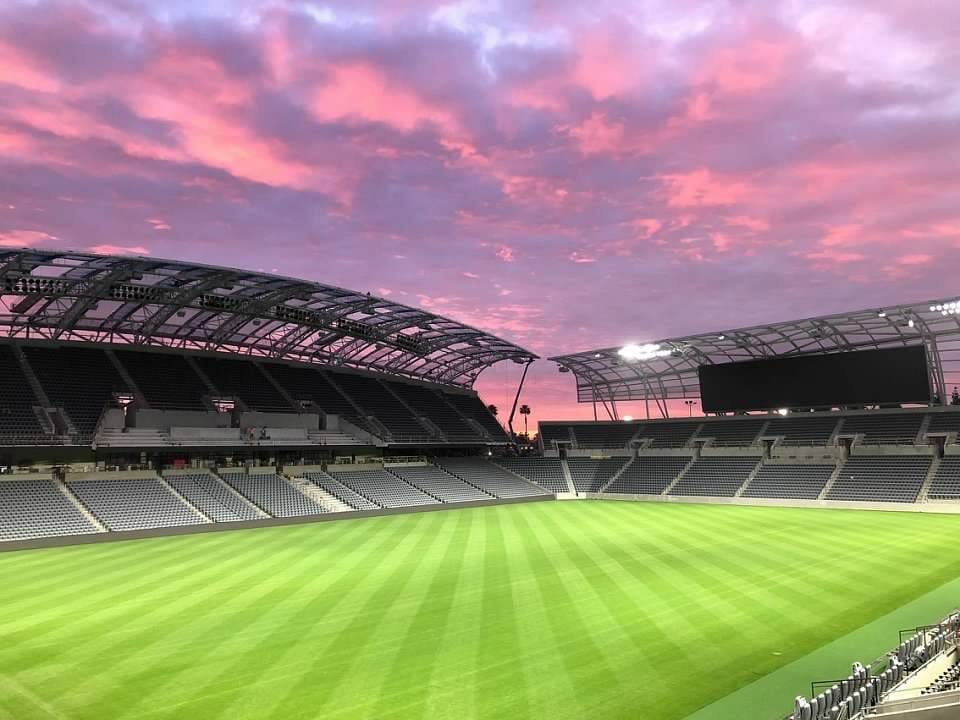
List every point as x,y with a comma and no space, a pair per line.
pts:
548,610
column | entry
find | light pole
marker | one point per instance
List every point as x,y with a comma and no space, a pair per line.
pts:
689,404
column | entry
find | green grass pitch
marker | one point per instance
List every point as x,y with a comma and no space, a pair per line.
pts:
548,610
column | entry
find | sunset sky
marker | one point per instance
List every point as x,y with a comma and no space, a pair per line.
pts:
564,174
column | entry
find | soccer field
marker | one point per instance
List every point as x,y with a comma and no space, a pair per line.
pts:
547,610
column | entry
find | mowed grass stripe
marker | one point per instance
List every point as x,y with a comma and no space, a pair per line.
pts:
224,633
554,610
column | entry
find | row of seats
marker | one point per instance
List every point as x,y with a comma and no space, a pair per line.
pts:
715,476
83,381
889,428
490,478
38,508
545,472
35,509
592,475
273,494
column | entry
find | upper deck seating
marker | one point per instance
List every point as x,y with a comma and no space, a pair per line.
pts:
472,407
610,435
18,421
804,428
429,403
732,432
669,434
166,379
884,428
243,379
81,380
591,475
489,477
551,432
944,422
373,397
649,474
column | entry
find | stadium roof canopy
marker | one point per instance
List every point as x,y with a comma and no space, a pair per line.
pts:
75,296
666,369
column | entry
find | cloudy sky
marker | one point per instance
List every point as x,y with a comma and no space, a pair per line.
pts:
565,174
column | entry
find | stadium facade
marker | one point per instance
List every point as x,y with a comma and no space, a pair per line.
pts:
141,396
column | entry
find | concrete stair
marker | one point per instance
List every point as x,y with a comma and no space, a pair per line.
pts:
320,496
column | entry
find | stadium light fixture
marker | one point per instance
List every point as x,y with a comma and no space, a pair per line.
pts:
783,411
647,351
628,418
881,314
721,337
910,322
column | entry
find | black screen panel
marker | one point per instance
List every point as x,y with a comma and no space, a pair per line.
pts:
864,377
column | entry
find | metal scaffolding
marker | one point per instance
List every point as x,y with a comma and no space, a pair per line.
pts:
76,296
667,369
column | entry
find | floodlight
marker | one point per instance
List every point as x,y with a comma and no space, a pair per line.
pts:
597,355
910,322
933,308
881,314
647,351
628,418
783,411
721,337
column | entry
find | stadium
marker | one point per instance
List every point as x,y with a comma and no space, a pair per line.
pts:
229,493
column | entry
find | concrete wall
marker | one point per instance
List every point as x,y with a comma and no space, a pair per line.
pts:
251,524
929,507
125,475
165,419
306,421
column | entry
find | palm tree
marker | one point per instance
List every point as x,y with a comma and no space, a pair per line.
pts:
525,411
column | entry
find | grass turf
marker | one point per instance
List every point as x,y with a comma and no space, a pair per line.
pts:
548,610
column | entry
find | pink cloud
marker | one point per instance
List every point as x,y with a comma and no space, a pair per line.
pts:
24,238
580,258
119,250
914,259
505,253
468,274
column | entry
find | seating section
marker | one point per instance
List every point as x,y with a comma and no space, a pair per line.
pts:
208,495
736,432
384,488
340,491
881,478
591,475
649,475
945,422
551,432
133,504
18,422
439,484
80,380
490,478
273,494
36,509
886,428
243,379
803,429
946,481
429,404
545,472
669,434
472,407
166,379
604,435
795,481
715,476
371,395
